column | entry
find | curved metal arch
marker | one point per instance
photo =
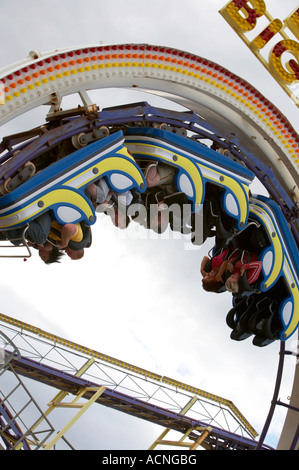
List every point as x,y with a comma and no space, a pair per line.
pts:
240,112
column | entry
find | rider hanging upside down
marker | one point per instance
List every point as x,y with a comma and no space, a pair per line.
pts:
212,270
72,238
50,238
238,263
112,203
225,270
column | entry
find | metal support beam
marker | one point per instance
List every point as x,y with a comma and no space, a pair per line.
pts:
289,438
181,442
74,404
275,396
61,395
184,410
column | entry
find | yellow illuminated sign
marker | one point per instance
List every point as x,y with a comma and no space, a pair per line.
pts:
243,16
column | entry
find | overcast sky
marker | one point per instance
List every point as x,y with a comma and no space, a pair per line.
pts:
140,300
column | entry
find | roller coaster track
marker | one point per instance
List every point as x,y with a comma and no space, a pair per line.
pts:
208,89
225,105
36,360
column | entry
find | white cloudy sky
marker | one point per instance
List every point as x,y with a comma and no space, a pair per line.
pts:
141,300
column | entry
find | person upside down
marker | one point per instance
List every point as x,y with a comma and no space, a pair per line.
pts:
52,239
71,238
224,271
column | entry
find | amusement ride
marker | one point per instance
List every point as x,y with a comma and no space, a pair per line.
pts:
193,169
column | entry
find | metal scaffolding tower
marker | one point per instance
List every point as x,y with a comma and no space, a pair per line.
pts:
202,419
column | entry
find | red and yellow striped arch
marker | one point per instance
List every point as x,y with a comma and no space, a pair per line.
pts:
144,66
